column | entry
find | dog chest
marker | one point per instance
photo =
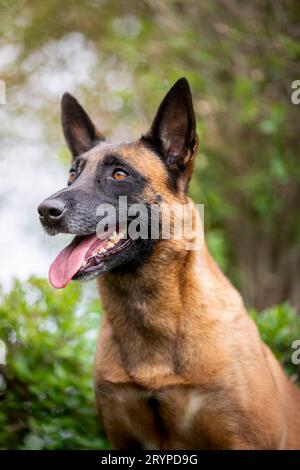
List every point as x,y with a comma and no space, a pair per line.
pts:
173,417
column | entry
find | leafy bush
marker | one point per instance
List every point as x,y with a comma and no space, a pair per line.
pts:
279,327
46,389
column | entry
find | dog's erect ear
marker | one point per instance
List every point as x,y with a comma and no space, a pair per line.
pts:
173,131
80,133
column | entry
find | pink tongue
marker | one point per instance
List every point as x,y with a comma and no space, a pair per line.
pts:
69,261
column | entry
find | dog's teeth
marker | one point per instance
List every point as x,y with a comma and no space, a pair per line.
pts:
121,235
101,250
84,264
110,245
94,253
114,237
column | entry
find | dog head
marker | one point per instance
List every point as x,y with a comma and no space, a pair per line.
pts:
154,169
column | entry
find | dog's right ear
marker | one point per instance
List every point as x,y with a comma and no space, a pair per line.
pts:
80,133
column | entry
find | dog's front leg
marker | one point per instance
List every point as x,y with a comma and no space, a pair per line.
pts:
127,413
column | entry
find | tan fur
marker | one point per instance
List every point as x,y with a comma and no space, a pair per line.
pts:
179,363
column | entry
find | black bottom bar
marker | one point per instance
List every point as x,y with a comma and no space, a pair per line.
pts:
135,460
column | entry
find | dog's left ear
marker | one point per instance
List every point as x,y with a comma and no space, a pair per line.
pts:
80,132
173,131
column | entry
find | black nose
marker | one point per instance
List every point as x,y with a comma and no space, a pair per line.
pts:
51,210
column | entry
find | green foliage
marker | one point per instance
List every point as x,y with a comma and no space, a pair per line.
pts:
46,389
279,327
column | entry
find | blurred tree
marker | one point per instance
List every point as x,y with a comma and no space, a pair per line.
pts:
241,59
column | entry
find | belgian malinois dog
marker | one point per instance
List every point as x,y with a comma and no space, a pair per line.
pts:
179,362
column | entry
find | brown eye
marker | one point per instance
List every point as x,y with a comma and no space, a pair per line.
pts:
119,175
72,176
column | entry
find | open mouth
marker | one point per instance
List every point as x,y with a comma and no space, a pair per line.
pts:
84,256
